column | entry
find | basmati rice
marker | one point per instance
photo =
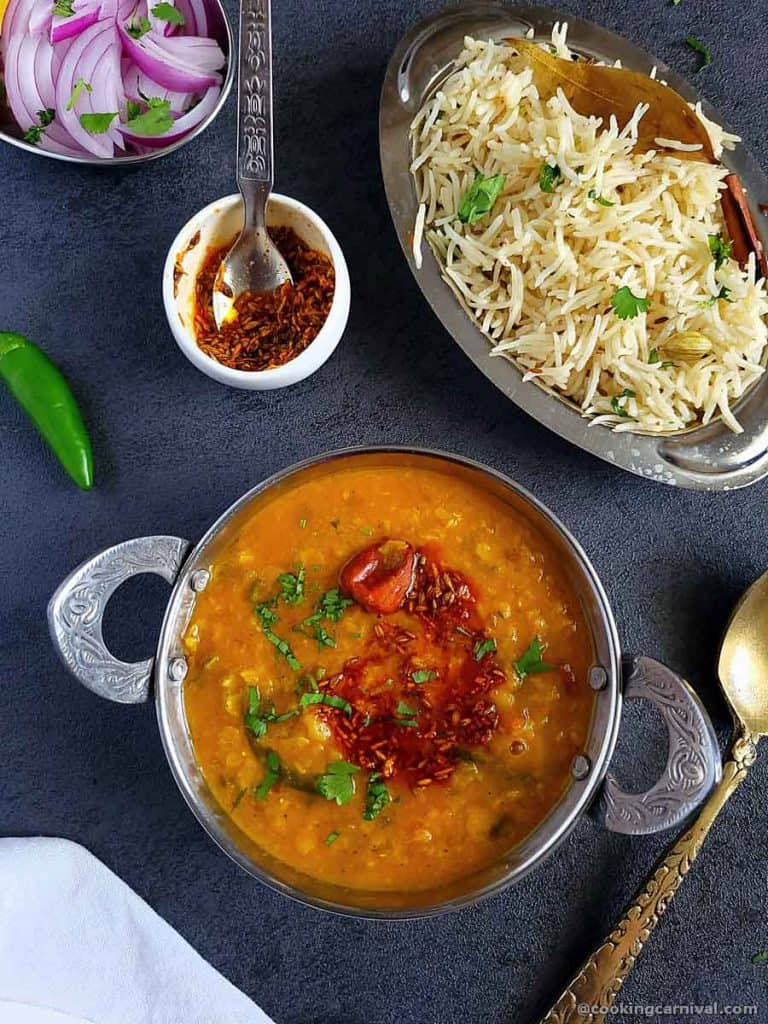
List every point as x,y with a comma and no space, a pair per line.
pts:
539,270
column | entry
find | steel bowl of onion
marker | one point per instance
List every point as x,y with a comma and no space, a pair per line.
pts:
111,81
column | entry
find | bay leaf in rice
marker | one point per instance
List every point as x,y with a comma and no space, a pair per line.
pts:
599,91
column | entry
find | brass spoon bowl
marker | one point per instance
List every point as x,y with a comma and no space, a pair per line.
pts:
743,672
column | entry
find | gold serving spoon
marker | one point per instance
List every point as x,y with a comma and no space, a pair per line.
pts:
743,672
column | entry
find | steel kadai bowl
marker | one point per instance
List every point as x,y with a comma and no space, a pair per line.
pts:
75,616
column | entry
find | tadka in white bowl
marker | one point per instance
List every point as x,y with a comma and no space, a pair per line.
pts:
218,224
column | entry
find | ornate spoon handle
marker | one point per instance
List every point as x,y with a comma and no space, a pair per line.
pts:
592,992
254,137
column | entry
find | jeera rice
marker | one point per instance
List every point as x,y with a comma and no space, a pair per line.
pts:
623,233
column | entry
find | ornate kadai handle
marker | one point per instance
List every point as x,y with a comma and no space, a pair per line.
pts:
693,759
76,613
254,147
593,991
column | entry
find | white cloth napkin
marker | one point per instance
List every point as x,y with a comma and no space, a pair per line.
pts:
76,939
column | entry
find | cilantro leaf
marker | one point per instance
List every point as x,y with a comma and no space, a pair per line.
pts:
139,28
292,586
332,604
261,792
64,8
627,306
406,715
720,249
265,612
483,647
724,293
80,84
702,50
760,958
259,716
423,675
616,405
167,12
531,662
599,199
480,197
329,699
97,124
331,838
156,120
653,356
338,783
35,133
132,108
376,797
549,176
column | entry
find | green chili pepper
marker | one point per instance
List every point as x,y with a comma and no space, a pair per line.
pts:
41,390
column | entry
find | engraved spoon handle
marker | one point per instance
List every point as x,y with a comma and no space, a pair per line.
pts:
593,991
255,155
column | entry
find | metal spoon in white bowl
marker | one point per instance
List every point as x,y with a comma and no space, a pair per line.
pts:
253,264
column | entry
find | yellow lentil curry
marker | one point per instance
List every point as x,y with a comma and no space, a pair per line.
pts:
387,677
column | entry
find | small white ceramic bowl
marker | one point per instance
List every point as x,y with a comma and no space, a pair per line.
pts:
219,223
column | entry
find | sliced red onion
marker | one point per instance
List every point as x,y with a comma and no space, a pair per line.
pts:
40,17
181,126
86,13
191,70
100,42
137,85
44,56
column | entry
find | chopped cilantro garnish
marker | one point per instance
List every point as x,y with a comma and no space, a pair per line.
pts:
292,586
530,662
760,958
238,798
64,8
549,176
328,699
338,783
97,124
284,648
259,715
702,50
132,108
599,199
35,133
265,612
618,408
423,675
302,524
261,792
331,606
139,28
376,797
720,249
167,12
480,197
406,715
155,120
653,356
331,838
724,293
626,305
483,647
80,84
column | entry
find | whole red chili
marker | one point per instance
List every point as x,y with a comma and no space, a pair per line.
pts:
379,577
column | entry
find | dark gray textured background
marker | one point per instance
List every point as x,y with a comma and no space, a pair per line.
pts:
80,265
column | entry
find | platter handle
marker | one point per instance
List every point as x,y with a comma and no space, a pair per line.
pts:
693,762
76,613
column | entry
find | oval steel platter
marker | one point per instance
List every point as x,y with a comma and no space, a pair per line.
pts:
704,458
